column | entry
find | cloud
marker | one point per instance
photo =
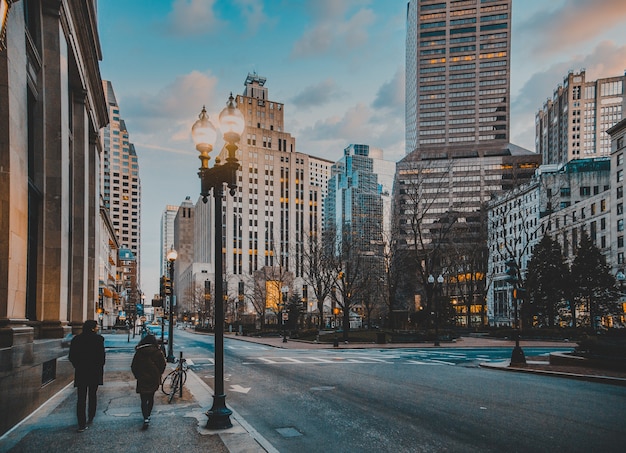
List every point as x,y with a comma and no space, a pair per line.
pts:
335,34
253,13
317,95
605,60
192,18
166,117
575,22
358,124
333,9
391,94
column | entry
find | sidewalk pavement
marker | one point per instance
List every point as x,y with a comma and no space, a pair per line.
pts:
181,424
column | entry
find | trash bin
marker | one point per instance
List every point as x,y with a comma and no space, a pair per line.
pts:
381,338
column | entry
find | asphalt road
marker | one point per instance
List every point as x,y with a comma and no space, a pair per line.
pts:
409,400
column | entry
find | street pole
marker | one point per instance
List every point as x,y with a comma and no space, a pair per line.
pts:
171,257
517,356
212,179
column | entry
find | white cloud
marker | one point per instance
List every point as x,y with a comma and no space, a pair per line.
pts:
192,18
335,34
163,119
254,14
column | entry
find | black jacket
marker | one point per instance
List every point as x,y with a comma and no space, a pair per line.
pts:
148,366
88,356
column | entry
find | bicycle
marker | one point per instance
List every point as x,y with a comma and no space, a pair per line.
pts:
175,380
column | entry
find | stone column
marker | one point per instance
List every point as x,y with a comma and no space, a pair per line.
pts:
54,265
79,205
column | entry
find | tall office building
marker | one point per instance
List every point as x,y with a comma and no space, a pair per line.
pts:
121,186
355,205
457,142
277,204
167,233
457,72
573,124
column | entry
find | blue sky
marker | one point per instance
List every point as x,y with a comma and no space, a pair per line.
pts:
337,65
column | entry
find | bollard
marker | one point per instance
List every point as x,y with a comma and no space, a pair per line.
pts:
181,381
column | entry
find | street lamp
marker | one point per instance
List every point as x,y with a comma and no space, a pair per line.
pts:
171,257
212,180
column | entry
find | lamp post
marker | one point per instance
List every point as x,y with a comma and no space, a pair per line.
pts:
284,313
437,302
171,258
213,180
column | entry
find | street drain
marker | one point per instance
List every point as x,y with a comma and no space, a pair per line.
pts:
288,432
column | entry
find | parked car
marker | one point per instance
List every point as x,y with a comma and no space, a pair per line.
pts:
155,329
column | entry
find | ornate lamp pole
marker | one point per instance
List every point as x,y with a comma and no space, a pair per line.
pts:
212,180
171,257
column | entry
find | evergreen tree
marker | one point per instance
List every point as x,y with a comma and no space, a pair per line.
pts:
546,280
593,285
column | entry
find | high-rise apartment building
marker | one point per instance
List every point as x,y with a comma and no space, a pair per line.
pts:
457,72
121,186
573,124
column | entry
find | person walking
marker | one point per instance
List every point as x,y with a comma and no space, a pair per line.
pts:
87,355
147,367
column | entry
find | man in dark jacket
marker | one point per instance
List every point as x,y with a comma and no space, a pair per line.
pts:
88,356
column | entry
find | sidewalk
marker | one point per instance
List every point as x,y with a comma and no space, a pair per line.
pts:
179,426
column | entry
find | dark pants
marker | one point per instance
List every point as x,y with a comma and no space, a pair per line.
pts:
147,401
83,391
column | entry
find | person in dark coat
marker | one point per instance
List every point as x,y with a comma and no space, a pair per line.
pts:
147,367
87,356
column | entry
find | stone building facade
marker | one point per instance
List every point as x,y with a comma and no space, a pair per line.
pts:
52,108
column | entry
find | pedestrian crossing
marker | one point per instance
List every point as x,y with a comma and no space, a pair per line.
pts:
382,357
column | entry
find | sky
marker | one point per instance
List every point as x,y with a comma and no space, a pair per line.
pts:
336,65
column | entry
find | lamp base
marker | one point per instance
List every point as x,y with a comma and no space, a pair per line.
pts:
219,414
517,356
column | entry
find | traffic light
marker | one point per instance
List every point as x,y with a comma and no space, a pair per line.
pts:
519,293
167,286
512,270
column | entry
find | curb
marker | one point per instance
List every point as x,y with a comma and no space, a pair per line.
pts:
504,366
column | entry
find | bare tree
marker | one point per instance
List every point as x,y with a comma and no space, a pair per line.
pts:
425,224
319,272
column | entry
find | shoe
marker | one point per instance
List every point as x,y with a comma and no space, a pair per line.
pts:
147,420
82,429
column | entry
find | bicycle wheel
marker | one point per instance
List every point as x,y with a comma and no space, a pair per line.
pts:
174,389
168,380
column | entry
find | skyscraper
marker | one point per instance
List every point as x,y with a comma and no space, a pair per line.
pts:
457,144
121,186
457,72
167,234
573,123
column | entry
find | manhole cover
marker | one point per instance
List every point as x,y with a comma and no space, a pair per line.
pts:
288,432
